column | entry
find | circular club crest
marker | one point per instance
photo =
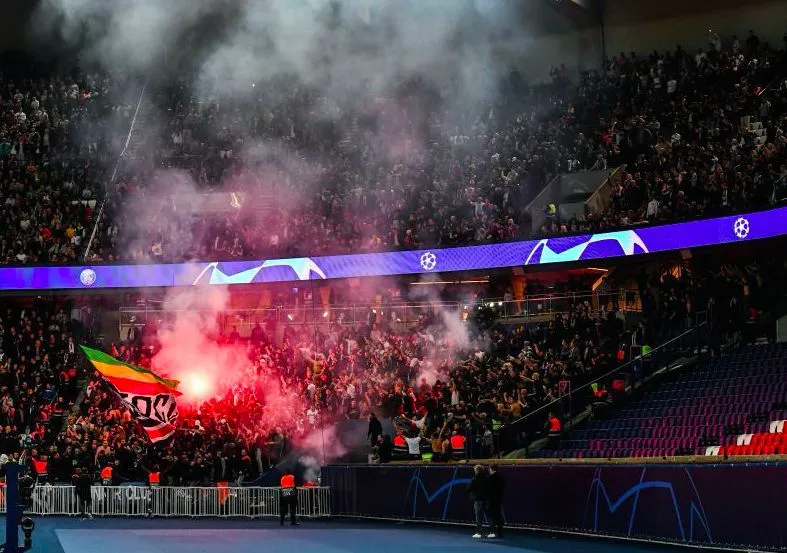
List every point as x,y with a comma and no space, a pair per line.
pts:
87,277
428,261
741,228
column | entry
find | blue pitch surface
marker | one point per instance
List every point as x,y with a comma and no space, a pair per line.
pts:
69,535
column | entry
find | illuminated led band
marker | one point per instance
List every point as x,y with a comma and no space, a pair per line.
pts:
662,238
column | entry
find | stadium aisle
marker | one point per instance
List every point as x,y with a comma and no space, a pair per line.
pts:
62,535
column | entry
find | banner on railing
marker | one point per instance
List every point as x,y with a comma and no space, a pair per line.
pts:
176,501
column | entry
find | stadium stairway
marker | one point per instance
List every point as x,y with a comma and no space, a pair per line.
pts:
733,405
142,132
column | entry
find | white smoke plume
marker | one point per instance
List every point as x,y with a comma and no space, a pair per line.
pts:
353,46
451,335
312,468
354,52
123,34
320,447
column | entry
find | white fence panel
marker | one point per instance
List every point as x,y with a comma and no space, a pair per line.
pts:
54,500
120,501
313,502
175,501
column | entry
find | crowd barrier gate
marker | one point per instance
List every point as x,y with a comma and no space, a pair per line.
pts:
166,501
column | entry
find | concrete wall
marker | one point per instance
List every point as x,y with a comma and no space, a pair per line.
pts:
647,25
13,14
578,50
781,329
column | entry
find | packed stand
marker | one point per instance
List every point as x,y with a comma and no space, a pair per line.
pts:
431,386
696,136
39,373
393,172
54,155
443,395
399,172
384,176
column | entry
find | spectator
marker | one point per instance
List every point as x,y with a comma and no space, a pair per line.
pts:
375,429
496,494
478,489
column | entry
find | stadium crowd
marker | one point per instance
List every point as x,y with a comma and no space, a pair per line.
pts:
38,378
431,387
54,155
383,175
393,172
684,129
679,125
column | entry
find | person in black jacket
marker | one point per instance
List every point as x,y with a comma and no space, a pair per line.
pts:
478,488
375,429
83,484
386,449
497,487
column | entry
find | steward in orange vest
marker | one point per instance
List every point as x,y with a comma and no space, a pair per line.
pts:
39,466
457,442
106,476
288,499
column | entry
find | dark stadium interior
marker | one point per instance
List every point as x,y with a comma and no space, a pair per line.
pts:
622,386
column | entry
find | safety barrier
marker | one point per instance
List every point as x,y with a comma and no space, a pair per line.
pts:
176,501
404,313
717,506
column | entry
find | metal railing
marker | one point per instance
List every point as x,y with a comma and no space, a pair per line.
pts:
165,501
544,305
405,313
633,370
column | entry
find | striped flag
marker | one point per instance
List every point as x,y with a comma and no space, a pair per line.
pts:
150,397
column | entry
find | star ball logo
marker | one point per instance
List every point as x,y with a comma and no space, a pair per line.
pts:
87,277
428,261
741,228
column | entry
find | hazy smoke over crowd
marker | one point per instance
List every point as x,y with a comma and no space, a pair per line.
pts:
354,52
190,352
449,336
207,369
458,44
